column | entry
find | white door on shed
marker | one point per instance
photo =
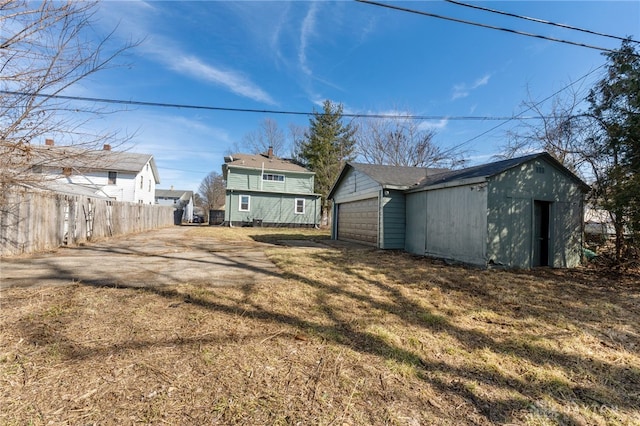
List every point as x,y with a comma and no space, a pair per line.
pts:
358,221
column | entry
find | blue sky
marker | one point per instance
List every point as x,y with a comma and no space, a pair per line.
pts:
293,55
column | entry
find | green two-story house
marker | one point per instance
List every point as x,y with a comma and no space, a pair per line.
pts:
264,190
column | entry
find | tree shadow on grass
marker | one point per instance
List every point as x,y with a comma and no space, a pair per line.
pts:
338,330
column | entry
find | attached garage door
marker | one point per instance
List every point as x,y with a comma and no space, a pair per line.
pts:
358,221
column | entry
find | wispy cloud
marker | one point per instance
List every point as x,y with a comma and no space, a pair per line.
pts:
463,90
194,67
161,49
433,125
307,31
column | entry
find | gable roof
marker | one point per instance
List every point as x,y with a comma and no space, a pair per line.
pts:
260,161
493,169
93,160
399,176
388,177
174,193
68,188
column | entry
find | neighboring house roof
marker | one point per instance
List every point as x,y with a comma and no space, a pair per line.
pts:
263,161
71,189
91,160
174,193
389,177
493,169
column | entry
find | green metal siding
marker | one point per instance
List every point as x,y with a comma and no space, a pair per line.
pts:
448,223
457,223
356,186
392,224
271,202
416,223
251,180
510,206
272,209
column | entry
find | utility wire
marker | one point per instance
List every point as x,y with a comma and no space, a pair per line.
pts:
517,116
248,110
477,24
540,21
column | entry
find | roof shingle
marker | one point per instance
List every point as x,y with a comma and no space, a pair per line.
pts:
258,161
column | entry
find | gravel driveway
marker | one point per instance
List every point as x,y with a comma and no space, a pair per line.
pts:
154,258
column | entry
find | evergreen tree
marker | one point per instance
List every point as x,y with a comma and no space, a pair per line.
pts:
615,107
327,146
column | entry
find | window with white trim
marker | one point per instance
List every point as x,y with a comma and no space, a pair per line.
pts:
299,205
273,177
245,203
111,180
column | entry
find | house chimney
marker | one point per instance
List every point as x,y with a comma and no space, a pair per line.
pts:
270,152
106,147
48,142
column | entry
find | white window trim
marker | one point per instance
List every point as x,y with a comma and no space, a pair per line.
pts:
295,206
248,209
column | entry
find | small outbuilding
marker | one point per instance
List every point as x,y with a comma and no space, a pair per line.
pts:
519,213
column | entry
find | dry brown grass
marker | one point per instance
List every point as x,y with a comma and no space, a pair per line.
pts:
347,336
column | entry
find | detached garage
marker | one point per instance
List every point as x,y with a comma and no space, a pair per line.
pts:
369,203
519,213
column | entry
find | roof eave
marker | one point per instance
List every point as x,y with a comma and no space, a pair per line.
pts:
450,184
338,180
269,169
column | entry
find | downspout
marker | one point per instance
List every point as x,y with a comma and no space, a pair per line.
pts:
230,209
380,219
262,176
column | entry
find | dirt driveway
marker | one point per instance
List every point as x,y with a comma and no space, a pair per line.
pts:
159,257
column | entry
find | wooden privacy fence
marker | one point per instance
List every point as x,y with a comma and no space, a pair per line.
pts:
33,221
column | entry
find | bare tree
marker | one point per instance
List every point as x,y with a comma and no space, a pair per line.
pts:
297,138
402,141
600,144
267,135
561,131
47,47
211,193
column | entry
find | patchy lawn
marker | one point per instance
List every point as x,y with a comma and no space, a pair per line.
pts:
346,337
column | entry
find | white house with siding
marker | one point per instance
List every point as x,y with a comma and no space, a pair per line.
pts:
120,176
520,213
180,200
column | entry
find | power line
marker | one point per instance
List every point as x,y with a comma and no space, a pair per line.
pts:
183,170
477,24
455,147
540,21
263,111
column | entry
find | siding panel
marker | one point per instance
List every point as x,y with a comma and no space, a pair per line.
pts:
251,180
456,224
393,220
510,215
356,186
416,223
272,209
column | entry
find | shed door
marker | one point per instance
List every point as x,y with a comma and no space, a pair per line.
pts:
541,215
358,221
